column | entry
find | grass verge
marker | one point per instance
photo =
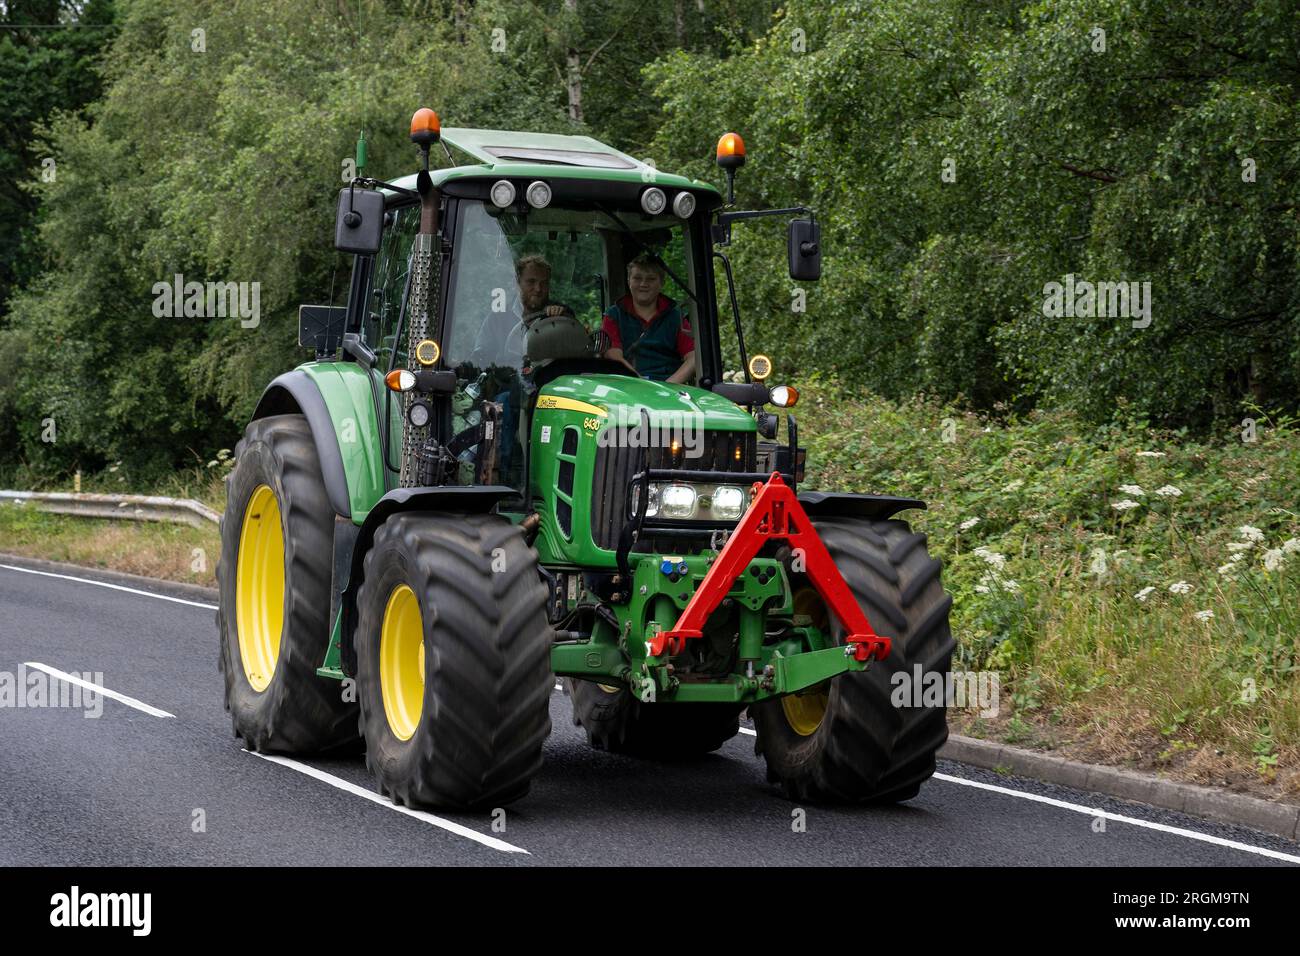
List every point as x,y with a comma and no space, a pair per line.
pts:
168,551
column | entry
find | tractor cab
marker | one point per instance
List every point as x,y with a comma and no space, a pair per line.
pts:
537,234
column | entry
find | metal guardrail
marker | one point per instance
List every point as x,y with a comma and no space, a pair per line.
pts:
125,507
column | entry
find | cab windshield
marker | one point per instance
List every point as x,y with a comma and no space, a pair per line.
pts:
537,291
571,266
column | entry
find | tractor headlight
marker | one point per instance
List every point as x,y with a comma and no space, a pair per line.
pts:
418,414
728,502
677,501
653,201
652,500
702,502
538,195
503,193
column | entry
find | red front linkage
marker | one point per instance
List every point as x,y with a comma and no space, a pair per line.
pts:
774,513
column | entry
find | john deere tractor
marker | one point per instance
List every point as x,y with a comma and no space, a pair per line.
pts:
483,483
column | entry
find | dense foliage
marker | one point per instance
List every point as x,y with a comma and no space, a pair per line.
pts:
961,157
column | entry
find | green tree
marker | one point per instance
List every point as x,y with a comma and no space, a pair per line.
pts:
48,51
962,157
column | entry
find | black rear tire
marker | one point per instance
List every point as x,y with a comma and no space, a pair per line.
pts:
297,711
865,749
616,721
484,713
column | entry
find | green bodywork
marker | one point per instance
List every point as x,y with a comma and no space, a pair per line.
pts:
595,407
759,604
348,390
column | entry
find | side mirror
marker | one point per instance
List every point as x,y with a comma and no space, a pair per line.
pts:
359,225
804,247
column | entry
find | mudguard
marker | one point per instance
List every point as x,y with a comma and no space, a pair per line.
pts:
831,504
336,399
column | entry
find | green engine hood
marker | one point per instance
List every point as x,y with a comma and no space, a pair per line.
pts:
622,397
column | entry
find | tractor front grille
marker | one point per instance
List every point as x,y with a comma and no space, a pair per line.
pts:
615,466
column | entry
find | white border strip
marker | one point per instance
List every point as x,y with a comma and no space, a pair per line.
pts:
352,788
105,584
1119,818
72,679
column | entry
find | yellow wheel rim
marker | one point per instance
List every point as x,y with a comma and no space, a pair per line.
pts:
259,588
401,662
804,712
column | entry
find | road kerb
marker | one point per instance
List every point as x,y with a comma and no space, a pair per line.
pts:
1212,803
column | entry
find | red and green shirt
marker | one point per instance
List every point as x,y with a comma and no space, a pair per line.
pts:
655,348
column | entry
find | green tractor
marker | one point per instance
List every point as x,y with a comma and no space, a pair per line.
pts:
516,457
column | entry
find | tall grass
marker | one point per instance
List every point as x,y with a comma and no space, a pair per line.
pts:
1138,585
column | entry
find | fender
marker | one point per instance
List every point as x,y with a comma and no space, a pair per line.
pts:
337,400
844,504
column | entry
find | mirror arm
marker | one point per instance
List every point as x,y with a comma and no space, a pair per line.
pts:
726,218
368,183
723,221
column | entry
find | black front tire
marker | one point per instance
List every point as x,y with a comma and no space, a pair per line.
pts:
865,749
487,680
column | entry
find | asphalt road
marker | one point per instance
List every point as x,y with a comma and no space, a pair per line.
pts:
131,787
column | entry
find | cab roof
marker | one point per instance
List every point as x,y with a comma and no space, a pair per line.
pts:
497,152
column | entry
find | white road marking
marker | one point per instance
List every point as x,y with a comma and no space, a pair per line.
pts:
426,817
1119,818
746,730
73,679
105,584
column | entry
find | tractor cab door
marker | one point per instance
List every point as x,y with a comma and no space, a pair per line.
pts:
389,281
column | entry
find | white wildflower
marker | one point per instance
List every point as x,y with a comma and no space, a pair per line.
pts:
1134,490
1169,491
1204,615
969,523
1227,568
1151,454
992,557
1291,546
1125,505
1014,485
1240,546
981,589
1179,587
1010,585
1250,533
1272,559
1144,593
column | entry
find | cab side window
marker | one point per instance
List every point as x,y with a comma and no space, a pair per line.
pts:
392,271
